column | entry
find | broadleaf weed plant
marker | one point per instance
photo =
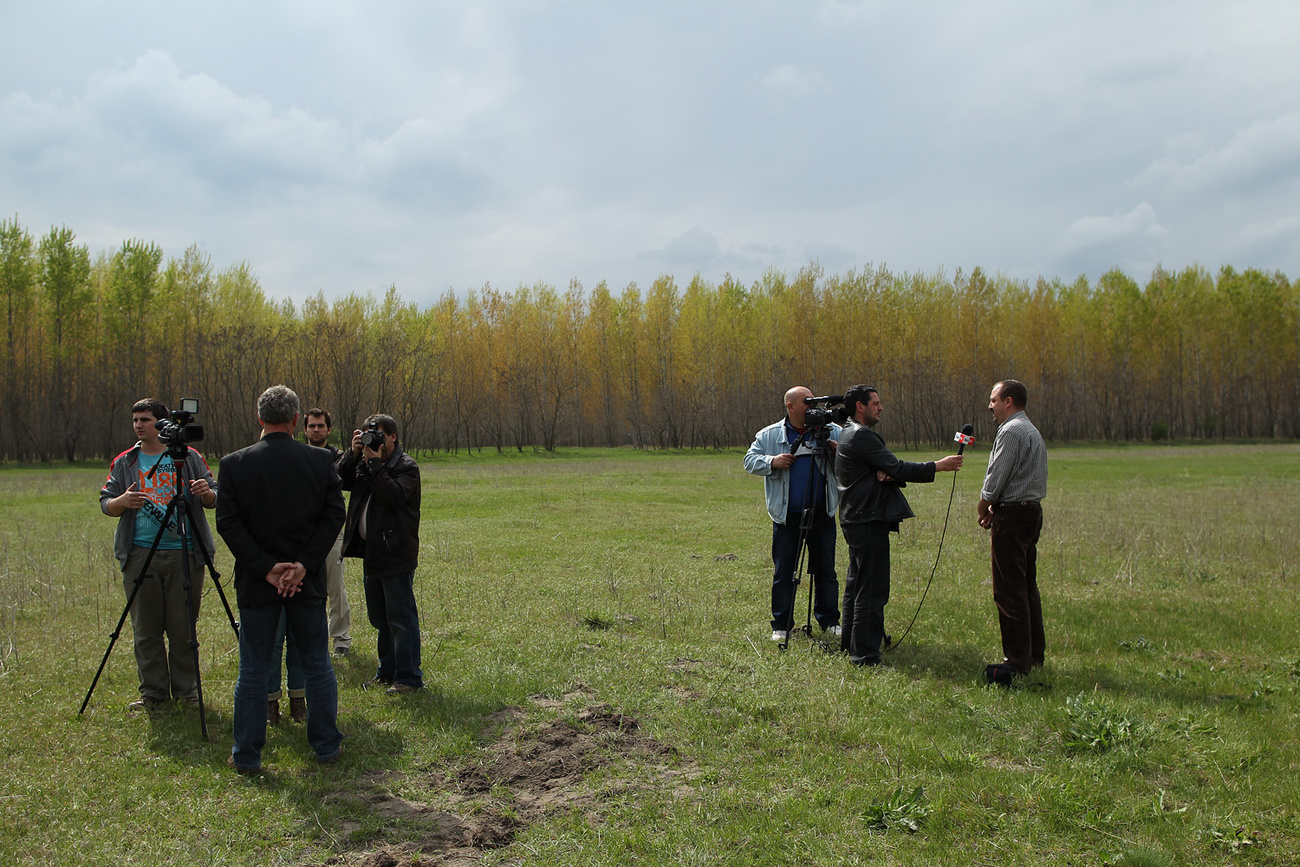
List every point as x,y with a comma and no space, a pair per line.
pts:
903,809
1093,724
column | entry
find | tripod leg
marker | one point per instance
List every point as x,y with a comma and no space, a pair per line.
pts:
805,529
216,581
216,576
135,589
185,529
192,615
112,640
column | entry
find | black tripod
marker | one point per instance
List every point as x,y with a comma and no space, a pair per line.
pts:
814,438
178,507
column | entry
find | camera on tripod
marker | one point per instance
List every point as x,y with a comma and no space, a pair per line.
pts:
372,437
178,430
819,419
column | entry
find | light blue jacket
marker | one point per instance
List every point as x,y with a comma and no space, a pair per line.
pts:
770,442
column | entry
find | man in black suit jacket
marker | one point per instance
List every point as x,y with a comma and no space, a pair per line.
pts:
280,510
869,477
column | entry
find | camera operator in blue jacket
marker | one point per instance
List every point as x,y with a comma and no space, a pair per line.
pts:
801,498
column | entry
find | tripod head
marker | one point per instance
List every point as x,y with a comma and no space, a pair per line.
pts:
815,437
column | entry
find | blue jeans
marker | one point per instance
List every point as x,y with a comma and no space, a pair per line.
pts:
257,627
786,546
286,650
390,604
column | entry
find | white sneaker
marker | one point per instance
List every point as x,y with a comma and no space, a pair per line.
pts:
780,636
835,631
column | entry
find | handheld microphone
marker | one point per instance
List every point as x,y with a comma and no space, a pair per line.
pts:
965,436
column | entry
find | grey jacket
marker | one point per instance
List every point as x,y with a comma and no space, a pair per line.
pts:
125,470
863,499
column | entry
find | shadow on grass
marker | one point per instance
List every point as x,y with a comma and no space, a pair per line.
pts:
377,730
1228,690
961,664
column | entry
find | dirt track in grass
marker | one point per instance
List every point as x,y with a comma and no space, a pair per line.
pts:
535,762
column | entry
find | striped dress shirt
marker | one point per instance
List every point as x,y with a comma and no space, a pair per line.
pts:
1017,465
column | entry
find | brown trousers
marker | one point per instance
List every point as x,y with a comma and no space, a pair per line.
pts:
1015,531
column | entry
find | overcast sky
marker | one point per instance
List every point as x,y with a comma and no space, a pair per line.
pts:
434,145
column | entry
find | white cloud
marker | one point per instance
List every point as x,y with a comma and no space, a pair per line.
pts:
171,129
788,81
837,11
1262,154
1120,239
1280,236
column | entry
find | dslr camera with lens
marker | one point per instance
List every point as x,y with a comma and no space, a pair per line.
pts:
372,437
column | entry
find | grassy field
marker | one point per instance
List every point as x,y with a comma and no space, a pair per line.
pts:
602,689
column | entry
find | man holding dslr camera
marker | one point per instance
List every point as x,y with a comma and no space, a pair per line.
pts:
383,530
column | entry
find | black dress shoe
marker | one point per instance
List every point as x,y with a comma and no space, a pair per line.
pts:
1000,673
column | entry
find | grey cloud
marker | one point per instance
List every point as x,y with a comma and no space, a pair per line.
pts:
454,143
834,258
193,132
693,250
699,251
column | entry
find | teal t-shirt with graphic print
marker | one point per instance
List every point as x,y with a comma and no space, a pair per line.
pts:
159,489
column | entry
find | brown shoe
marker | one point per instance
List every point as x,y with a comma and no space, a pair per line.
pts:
298,709
146,702
230,760
273,712
401,689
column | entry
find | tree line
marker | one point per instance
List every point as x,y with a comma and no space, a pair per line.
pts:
1190,354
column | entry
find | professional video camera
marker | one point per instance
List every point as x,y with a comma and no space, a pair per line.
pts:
819,418
372,437
178,430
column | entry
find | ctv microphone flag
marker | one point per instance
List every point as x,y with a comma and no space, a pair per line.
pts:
965,436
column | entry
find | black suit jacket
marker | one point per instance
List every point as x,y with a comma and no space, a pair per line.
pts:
281,501
863,499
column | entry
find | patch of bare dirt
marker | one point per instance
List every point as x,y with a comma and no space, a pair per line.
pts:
542,760
687,665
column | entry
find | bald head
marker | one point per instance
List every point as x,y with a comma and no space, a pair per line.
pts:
794,405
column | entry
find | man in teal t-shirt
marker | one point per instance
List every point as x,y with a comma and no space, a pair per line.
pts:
139,501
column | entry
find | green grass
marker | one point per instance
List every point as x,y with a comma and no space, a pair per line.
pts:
1164,729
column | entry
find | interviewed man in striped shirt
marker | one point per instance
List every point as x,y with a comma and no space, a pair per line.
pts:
1010,507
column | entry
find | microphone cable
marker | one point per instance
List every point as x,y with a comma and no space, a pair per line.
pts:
894,644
